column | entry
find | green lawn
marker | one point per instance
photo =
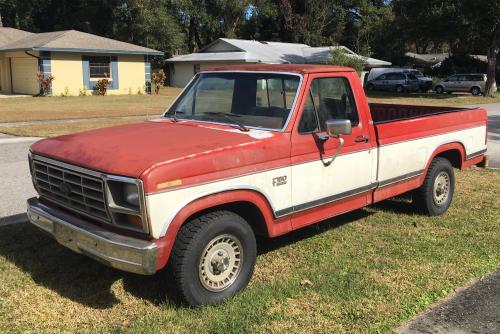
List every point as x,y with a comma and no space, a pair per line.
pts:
430,99
46,108
371,270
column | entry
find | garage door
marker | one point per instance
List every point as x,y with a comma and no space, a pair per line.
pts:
24,76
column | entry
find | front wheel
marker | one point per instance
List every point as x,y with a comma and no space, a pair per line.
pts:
213,257
439,89
475,91
400,89
435,195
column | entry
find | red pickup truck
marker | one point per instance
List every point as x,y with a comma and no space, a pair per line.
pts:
244,150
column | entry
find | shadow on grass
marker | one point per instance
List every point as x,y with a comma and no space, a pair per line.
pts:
90,283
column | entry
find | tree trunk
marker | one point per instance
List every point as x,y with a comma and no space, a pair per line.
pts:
491,85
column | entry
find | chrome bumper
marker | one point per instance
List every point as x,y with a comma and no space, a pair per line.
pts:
115,250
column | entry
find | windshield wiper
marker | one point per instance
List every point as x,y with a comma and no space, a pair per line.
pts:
229,117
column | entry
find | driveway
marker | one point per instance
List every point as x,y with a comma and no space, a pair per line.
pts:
16,184
493,132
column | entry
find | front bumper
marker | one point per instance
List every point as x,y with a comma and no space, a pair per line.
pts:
115,250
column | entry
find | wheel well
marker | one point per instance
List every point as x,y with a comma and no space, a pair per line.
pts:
453,156
247,210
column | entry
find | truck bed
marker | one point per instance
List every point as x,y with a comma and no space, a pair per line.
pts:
383,113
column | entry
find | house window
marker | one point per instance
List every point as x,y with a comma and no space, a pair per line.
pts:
100,67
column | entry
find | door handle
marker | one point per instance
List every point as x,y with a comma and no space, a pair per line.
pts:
362,139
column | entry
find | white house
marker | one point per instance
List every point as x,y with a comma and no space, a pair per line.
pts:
226,51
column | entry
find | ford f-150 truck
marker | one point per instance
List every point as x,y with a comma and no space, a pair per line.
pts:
243,150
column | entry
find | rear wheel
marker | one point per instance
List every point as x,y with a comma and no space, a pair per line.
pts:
213,257
370,87
435,195
400,89
439,89
475,91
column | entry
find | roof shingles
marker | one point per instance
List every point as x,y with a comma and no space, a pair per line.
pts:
74,41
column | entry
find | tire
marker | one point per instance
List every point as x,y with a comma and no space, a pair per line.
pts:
400,89
213,258
475,91
436,193
439,89
370,87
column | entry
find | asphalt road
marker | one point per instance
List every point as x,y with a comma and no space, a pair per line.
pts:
493,133
474,310
15,186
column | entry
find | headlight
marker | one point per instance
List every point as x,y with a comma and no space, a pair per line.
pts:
131,194
125,203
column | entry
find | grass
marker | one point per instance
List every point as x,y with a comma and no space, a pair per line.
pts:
371,270
430,99
57,129
48,108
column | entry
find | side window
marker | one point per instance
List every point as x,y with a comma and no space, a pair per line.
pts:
329,98
452,78
308,121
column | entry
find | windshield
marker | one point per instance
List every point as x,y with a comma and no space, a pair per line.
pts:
417,73
260,100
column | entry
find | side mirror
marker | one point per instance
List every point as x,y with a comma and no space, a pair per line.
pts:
336,127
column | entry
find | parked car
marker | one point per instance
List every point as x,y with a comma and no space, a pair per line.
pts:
471,83
394,81
244,150
425,83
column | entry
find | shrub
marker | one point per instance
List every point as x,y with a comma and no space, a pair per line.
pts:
158,80
101,87
340,57
66,92
45,82
84,92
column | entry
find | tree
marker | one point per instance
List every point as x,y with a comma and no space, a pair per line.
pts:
339,57
482,33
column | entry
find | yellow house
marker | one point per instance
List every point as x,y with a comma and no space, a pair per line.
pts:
77,60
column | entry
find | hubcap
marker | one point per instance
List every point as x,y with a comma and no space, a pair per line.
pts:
441,188
220,263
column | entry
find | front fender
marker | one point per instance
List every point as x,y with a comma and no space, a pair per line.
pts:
206,201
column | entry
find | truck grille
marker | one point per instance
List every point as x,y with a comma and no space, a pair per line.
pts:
72,189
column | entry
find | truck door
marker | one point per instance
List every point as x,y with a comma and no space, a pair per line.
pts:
328,178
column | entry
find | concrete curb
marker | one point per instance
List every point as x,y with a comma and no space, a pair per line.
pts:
14,219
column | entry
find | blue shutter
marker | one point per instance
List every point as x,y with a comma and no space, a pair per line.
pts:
86,72
147,71
115,81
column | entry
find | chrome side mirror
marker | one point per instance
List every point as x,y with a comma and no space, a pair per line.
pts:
336,127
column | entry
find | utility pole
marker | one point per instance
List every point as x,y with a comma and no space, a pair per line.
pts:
1,24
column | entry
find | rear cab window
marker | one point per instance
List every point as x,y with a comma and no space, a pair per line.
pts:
328,98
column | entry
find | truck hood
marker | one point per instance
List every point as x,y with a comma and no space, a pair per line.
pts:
183,148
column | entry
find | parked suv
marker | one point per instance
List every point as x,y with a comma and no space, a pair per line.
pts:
472,83
394,81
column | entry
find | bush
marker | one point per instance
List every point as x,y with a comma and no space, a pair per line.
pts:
45,82
101,86
158,80
340,57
